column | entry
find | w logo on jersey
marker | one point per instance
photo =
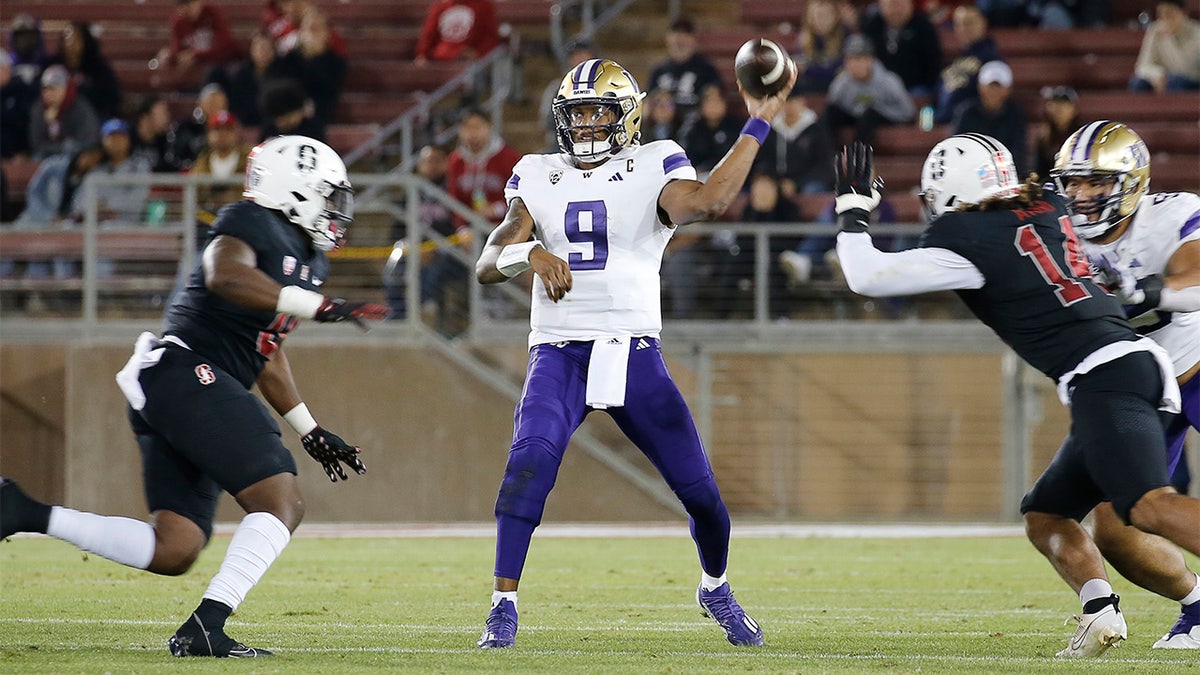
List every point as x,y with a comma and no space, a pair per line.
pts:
205,374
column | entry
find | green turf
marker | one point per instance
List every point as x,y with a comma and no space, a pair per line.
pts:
594,606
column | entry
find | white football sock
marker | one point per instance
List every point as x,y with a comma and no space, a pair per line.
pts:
256,543
510,596
122,540
1094,588
711,583
1194,596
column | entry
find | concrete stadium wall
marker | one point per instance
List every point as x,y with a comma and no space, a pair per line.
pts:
435,439
820,436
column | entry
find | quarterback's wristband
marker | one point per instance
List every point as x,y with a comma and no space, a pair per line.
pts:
300,419
758,128
514,258
298,302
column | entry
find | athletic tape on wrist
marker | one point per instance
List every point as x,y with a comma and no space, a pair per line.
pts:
300,419
299,302
757,128
514,258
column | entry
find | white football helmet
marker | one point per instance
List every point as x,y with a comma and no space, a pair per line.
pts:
1109,150
305,180
603,83
966,169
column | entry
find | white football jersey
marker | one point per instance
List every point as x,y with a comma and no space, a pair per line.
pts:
1162,223
604,222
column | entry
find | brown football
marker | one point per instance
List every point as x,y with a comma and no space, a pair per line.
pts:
762,67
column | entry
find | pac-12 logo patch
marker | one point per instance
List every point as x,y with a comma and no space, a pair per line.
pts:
555,176
205,374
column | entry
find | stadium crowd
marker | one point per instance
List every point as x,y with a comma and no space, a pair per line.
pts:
868,70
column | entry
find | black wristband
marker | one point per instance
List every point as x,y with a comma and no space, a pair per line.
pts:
1152,286
854,220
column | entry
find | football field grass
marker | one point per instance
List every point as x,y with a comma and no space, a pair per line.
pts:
620,605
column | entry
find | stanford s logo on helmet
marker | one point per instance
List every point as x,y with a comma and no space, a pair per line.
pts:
305,180
1108,150
967,169
603,83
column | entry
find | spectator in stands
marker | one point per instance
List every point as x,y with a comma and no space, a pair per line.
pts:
578,51
188,136
223,157
906,43
1169,59
685,72
436,219
119,203
200,40
288,110
244,81
941,12
733,263
1060,119
79,51
284,20
658,116
818,50
865,95
318,68
150,135
458,30
17,98
480,166
799,149
711,132
53,197
27,48
997,113
61,121
958,81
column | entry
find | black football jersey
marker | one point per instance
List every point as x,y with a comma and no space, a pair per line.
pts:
235,338
1038,293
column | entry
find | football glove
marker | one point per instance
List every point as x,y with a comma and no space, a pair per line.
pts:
331,451
335,310
857,190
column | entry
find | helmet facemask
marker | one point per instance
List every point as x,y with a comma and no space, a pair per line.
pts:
579,119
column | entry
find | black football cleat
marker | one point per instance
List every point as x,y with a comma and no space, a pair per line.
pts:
193,640
19,512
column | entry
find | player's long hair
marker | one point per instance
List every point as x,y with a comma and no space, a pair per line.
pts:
1031,191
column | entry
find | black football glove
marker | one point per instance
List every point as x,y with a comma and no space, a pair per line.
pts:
329,449
857,190
334,310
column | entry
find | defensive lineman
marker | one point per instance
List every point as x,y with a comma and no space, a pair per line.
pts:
603,211
1011,254
200,429
1146,247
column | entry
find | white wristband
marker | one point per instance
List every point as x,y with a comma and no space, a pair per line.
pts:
298,302
514,258
843,203
300,419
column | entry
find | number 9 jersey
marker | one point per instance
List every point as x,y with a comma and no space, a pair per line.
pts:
605,222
